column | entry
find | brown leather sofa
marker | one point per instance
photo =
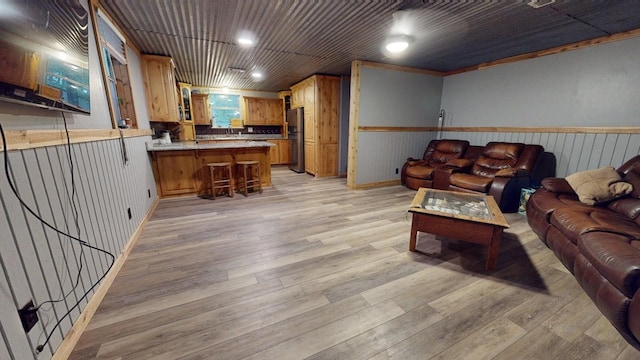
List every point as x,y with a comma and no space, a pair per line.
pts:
501,170
417,173
599,244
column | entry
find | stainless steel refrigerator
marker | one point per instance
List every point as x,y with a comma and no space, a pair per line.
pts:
295,121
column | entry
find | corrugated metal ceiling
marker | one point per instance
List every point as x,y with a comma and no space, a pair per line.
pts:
297,38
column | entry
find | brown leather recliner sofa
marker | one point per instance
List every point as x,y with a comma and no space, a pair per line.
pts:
417,173
599,244
499,169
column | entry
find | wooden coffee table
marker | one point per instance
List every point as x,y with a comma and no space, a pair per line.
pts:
474,218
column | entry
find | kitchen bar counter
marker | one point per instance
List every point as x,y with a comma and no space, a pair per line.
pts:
180,168
202,145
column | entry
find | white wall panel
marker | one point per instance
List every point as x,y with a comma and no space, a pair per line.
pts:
593,86
39,264
574,151
397,98
380,153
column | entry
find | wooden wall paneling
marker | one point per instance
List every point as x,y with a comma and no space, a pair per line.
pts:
90,221
104,233
17,250
633,148
354,110
38,263
328,160
60,174
14,342
4,350
108,188
618,156
57,198
577,148
51,280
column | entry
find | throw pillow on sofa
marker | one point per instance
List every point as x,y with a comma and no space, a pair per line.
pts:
599,185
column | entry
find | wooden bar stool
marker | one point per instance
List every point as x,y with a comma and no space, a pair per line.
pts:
225,181
246,169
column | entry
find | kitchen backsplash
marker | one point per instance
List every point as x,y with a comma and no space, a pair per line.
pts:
206,130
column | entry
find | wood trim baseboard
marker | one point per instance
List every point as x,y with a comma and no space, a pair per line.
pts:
377,184
71,338
579,130
29,139
511,129
397,128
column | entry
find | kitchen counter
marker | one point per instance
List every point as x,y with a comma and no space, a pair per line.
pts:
180,168
191,145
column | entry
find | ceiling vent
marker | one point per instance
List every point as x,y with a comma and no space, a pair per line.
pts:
540,3
235,69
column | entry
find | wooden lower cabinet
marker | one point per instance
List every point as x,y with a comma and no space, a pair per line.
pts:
274,154
175,172
280,153
310,158
285,151
185,172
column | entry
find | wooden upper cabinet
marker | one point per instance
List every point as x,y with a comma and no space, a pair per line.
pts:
184,97
160,88
200,109
297,96
263,111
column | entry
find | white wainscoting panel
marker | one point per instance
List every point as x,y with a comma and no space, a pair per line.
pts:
38,263
380,153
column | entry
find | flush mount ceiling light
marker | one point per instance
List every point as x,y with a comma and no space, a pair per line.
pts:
246,39
398,43
256,75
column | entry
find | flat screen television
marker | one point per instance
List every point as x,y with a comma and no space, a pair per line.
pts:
44,57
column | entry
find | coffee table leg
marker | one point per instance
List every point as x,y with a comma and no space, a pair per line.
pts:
414,233
494,249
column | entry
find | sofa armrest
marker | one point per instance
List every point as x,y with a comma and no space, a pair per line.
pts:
460,163
511,172
413,162
557,185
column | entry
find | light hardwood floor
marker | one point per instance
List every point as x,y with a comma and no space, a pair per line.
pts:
309,269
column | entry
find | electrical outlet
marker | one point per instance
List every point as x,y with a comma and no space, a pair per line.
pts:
28,316
396,170
129,213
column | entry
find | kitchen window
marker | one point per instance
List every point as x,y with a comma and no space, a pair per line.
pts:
224,107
